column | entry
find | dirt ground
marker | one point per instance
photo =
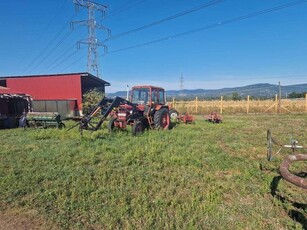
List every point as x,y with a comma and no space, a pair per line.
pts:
23,220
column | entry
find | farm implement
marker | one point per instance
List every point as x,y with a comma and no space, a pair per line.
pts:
285,165
41,119
186,118
293,145
213,117
146,109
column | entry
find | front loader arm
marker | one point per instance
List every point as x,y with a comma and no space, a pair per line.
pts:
106,105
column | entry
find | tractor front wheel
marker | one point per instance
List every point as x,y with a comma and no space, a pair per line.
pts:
111,125
137,128
162,119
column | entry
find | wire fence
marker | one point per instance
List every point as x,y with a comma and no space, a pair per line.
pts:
246,106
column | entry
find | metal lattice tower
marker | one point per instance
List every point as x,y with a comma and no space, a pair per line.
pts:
181,82
92,41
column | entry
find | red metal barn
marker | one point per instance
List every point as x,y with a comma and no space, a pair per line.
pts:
57,92
12,105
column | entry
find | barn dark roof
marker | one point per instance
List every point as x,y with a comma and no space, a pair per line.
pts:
87,78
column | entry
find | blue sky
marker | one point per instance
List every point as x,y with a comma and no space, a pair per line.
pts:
36,39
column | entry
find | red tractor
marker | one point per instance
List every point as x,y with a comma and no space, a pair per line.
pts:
147,109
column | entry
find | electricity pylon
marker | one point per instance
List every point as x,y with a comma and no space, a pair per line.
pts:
92,41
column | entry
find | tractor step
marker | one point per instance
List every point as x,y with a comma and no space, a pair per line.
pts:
150,122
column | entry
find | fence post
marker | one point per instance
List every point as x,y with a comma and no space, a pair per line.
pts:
276,103
247,105
196,104
173,103
221,109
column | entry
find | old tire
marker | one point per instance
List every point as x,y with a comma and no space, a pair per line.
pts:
162,119
137,128
290,177
111,125
173,113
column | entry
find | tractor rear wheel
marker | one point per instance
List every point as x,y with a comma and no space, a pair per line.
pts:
162,119
111,125
137,128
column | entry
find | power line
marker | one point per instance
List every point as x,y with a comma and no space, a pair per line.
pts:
229,21
183,13
74,62
52,50
92,41
69,56
55,17
127,8
123,6
47,27
40,59
61,58
49,44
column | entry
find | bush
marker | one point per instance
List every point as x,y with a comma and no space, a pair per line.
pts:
91,99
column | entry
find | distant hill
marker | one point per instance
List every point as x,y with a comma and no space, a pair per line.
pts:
256,90
118,94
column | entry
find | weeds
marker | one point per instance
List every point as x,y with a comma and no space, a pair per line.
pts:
208,176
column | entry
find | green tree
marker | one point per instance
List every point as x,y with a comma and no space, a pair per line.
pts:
235,96
91,99
296,95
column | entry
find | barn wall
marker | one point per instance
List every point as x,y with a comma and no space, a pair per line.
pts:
49,87
66,108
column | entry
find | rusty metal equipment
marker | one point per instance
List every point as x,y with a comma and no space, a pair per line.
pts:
293,145
186,118
288,176
175,116
285,165
214,117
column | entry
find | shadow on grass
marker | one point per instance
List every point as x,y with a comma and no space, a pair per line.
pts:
173,124
295,214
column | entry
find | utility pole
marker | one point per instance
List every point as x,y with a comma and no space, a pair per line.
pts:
92,41
127,96
181,82
279,97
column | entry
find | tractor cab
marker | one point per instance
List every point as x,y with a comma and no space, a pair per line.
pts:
147,95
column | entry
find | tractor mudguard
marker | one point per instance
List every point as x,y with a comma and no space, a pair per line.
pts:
158,107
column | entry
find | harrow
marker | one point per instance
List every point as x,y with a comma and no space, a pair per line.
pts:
293,145
285,165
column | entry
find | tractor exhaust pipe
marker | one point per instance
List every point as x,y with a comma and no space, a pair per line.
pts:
285,173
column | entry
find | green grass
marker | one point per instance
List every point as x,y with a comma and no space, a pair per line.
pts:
201,176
